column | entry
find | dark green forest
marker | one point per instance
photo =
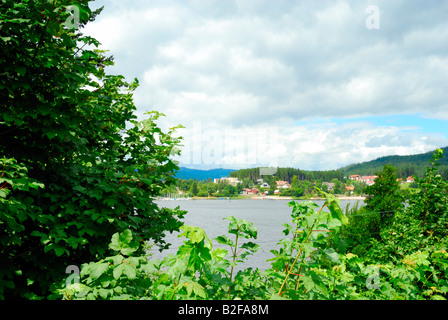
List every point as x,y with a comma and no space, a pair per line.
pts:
405,165
287,174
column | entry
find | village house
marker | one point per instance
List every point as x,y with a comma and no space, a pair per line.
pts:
264,185
410,179
247,191
283,184
369,180
330,185
230,180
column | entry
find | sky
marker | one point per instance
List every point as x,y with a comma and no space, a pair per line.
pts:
314,85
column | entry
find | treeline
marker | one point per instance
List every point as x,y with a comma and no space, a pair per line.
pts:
402,170
405,165
287,174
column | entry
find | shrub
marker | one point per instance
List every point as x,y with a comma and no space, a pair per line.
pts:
76,164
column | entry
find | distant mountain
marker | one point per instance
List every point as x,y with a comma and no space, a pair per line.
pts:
187,173
406,165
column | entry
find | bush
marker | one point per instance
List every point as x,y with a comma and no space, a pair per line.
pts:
76,166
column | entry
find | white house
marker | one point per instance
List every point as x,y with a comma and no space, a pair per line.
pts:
283,184
230,180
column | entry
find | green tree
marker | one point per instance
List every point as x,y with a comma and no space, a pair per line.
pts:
421,225
294,181
384,195
194,188
297,191
76,166
430,205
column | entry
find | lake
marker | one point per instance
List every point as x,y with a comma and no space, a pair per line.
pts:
266,215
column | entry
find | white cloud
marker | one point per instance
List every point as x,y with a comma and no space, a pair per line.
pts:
258,64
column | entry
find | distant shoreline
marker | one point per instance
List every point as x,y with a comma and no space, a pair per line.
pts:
359,198
342,198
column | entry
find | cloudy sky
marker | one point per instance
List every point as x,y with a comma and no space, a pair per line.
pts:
314,85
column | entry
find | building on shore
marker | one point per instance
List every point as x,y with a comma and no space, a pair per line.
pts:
229,180
283,185
250,191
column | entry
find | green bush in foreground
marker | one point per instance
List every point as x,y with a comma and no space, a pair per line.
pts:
304,267
75,164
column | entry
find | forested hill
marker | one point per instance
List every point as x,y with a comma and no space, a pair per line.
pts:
287,174
406,165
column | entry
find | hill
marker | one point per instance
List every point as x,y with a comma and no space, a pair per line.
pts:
406,165
187,173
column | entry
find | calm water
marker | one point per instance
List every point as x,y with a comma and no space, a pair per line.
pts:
266,215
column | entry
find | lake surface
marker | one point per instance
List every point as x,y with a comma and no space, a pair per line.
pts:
266,215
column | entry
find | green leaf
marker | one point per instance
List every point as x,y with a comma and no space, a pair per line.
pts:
275,296
332,255
124,243
117,259
195,234
196,288
36,185
78,289
241,227
98,269
219,253
253,247
42,235
336,213
307,282
59,250
224,240
127,269
4,193
104,293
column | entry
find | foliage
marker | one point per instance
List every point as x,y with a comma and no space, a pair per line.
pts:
362,227
430,205
197,270
305,266
194,189
422,224
78,174
308,245
287,174
241,229
76,166
384,195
